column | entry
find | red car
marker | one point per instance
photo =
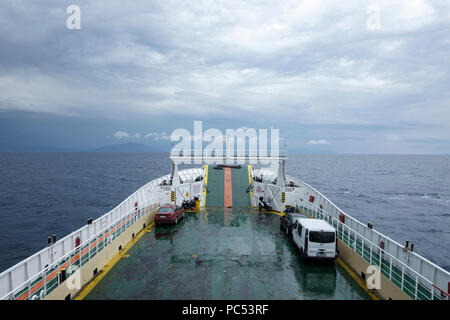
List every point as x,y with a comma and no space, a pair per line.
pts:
169,213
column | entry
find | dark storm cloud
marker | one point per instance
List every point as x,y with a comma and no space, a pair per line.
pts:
312,68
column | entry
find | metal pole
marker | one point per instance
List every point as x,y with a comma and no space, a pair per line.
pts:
390,267
417,283
403,276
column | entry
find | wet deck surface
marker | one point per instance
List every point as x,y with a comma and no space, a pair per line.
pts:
222,254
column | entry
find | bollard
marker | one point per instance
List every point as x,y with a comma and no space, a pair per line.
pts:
62,275
412,246
54,238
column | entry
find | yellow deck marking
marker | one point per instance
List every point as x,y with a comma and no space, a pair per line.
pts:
250,182
281,214
91,284
357,278
205,184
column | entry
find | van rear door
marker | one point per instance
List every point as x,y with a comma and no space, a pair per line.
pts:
322,244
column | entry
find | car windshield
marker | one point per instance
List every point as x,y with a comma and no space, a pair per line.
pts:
321,236
164,210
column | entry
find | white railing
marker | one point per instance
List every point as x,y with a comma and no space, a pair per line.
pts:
72,267
187,175
351,238
410,263
29,270
24,277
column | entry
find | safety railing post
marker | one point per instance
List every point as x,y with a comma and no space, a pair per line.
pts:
403,276
417,283
348,235
380,257
363,246
45,282
354,241
96,244
356,244
390,267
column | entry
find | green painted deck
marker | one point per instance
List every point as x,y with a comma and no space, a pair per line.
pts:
239,182
222,253
239,179
214,197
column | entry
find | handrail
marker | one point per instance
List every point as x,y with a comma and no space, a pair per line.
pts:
57,262
78,230
363,225
320,211
122,210
443,293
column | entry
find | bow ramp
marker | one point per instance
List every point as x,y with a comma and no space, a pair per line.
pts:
227,186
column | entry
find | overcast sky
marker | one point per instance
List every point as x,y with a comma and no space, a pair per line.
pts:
325,73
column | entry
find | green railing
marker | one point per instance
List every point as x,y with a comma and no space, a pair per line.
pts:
409,281
43,283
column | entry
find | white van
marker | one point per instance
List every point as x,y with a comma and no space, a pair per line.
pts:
315,238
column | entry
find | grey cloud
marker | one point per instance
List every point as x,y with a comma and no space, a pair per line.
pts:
293,62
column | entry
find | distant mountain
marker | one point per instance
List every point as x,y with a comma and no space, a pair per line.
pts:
28,148
313,151
125,147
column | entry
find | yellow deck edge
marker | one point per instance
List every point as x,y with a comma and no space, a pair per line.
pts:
250,182
205,183
93,283
357,278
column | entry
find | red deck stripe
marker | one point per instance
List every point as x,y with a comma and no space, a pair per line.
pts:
227,195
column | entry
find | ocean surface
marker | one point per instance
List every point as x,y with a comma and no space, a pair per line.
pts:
41,194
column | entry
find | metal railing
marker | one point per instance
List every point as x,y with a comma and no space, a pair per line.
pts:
407,279
73,260
187,175
30,279
29,270
239,156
